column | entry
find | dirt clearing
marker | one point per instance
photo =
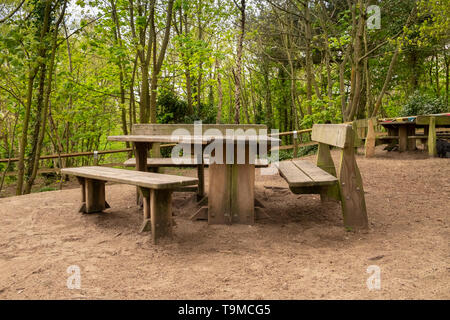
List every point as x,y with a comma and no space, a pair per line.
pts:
302,252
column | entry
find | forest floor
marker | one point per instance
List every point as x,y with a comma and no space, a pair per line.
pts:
301,252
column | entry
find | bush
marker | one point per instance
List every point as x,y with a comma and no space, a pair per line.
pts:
172,109
419,104
323,111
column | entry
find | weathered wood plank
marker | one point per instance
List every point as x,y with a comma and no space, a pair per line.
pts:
352,192
162,138
324,160
138,178
432,151
219,197
293,175
243,193
95,195
332,134
169,129
161,214
319,176
190,162
440,120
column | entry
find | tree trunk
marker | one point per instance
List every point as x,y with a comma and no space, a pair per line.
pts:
237,76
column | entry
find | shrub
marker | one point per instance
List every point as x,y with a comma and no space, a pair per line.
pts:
419,104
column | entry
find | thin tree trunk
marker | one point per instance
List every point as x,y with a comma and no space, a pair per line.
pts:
237,76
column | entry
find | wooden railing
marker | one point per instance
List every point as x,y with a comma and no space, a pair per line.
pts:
298,140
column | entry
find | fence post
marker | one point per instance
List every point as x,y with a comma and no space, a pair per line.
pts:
295,144
95,158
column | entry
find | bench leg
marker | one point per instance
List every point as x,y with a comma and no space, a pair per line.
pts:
146,226
352,192
201,182
330,193
82,182
95,196
161,213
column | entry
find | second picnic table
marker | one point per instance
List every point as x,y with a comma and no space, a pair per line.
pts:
231,185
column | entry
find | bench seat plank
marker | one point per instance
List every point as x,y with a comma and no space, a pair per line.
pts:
293,175
319,176
168,162
301,173
138,178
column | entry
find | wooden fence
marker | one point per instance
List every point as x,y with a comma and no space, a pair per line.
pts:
300,138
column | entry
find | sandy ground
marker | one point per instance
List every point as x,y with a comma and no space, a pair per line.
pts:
302,252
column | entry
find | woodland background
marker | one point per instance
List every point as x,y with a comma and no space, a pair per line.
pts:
74,72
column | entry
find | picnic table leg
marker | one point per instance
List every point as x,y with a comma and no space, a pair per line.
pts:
95,196
392,132
231,194
411,143
432,151
161,213
370,140
82,182
200,176
141,153
219,200
426,131
243,193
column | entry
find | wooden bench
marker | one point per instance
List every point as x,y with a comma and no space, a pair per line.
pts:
304,177
168,162
156,190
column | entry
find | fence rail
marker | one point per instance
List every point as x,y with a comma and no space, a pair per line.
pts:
297,140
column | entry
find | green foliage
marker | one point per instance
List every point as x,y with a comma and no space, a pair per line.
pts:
172,109
45,189
419,104
301,152
323,111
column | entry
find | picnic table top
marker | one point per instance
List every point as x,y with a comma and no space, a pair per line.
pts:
442,119
204,139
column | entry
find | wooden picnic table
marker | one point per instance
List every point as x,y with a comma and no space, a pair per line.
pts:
231,197
404,129
142,144
231,185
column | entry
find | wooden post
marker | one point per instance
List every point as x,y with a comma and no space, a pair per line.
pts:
200,175
295,144
411,131
393,131
242,193
426,132
82,182
141,154
326,163
219,204
146,226
95,196
369,149
161,213
231,192
432,151
324,160
95,158
402,138
352,192
357,140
